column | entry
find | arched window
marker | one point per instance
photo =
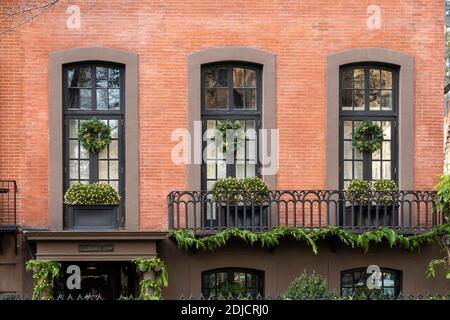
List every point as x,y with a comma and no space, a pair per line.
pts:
232,280
355,279
94,90
368,93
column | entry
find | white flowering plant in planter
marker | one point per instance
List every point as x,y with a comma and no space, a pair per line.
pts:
91,194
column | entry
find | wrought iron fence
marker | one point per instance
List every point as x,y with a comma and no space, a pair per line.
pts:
8,213
405,211
259,297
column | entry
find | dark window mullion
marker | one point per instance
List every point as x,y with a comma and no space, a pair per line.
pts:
366,89
230,88
93,88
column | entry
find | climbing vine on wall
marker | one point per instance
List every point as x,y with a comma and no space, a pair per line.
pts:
150,289
44,275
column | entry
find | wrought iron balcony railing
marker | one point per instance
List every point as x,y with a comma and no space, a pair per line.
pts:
8,213
405,211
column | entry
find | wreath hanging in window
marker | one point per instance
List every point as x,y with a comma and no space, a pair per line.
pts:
94,135
368,137
221,135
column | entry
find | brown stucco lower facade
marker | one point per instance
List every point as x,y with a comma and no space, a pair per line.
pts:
287,261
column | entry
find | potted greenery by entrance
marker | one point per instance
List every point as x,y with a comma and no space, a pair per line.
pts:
370,203
92,206
242,203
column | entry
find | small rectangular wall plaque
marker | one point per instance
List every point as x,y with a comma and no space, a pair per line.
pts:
96,247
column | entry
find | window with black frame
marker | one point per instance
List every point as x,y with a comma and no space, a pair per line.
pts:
94,90
368,94
232,281
354,283
231,93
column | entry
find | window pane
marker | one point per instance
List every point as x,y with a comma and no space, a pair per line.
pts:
386,125
348,170
114,169
103,154
358,170
251,150
114,99
386,79
73,99
386,170
348,148
357,154
358,97
374,100
79,77
73,128
222,277
222,98
84,169
386,150
114,128
347,279
85,99
211,171
388,279
114,149
240,171
221,169
102,99
115,185
374,78
210,79
251,170
103,170
84,154
238,96
73,149
222,80
347,79
348,130
358,77
113,78
73,169
250,78
250,98
239,277
376,170
238,77
346,99
386,99
101,74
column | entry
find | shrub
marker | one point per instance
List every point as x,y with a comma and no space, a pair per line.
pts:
443,194
357,190
308,287
387,188
235,290
228,189
91,194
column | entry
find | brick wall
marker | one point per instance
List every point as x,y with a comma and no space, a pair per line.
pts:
163,33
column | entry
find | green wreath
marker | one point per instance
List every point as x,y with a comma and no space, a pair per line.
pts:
222,128
368,137
94,135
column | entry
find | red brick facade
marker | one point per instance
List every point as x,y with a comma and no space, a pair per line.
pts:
163,33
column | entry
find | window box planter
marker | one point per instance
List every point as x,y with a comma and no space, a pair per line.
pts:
365,216
236,215
92,217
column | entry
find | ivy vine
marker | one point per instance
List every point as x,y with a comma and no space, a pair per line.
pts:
186,239
151,289
368,137
44,275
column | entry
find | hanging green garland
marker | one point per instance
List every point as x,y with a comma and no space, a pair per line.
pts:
368,137
94,135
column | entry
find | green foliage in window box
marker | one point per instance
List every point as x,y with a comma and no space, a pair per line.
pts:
386,190
228,189
91,194
151,289
308,287
357,191
94,135
44,275
381,190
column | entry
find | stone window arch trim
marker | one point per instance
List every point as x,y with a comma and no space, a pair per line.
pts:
405,63
242,54
55,161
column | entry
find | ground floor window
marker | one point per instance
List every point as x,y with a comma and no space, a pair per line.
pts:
105,281
354,282
232,281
